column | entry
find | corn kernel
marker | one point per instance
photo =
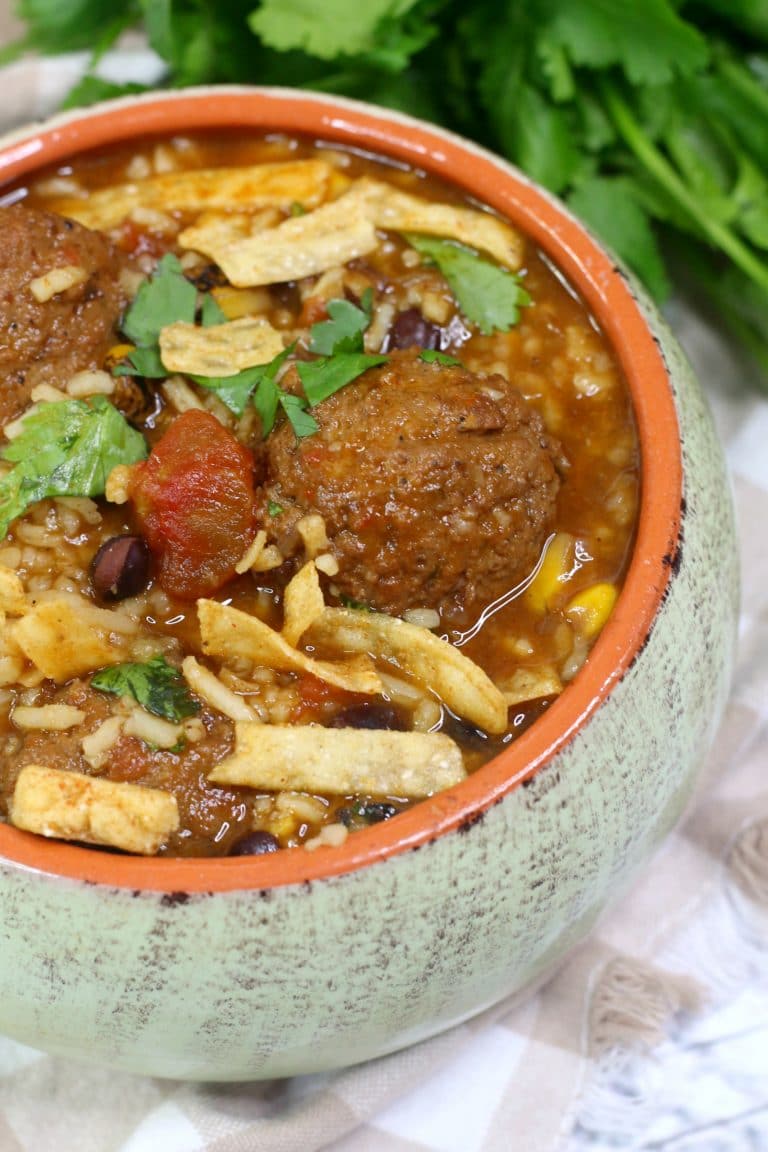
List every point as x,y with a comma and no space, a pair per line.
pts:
116,354
555,570
238,302
589,610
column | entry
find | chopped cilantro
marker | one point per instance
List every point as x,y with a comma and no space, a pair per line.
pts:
432,356
488,295
157,686
211,311
295,408
344,331
144,362
163,299
298,209
235,391
259,384
355,605
321,378
66,448
166,297
274,508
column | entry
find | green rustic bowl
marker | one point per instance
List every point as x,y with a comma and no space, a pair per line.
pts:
269,966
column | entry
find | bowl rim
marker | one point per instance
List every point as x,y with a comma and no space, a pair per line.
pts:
608,292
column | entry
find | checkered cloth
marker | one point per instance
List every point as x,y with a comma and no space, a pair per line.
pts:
565,1070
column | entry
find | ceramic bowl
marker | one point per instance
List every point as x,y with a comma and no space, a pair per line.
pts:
269,966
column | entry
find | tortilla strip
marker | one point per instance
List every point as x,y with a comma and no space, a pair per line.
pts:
13,598
396,211
227,632
531,684
73,806
228,189
342,230
298,247
457,680
219,349
64,639
338,761
302,603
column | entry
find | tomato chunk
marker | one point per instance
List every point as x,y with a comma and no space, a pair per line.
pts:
194,498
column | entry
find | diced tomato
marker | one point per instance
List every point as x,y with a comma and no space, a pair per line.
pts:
194,501
315,695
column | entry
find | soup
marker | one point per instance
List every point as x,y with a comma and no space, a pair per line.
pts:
319,486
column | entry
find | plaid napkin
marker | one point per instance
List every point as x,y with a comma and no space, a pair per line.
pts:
585,1063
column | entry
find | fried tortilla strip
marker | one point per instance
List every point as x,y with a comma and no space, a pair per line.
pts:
13,598
67,637
302,603
300,246
457,680
226,189
342,230
531,684
227,632
219,349
396,211
338,761
73,806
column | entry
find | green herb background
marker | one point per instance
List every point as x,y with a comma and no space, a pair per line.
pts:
649,117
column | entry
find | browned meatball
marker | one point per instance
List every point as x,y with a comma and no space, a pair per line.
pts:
437,486
48,342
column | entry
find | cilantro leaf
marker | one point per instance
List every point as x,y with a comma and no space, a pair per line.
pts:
650,41
53,26
211,311
166,297
66,448
144,361
345,28
611,207
295,408
266,401
487,294
156,685
321,378
433,356
235,391
260,384
91,89
344,331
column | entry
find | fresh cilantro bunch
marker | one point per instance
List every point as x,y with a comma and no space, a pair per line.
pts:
649,118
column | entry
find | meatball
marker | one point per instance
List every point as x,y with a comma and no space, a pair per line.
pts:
437,487
48,342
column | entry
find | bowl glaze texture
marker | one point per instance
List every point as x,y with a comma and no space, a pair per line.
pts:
296,962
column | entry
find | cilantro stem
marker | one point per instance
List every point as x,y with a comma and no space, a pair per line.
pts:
742,80
660,168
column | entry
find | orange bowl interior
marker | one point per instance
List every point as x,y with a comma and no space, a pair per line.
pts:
606,292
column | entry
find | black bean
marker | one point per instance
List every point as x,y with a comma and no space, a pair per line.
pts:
411,330
367,812
369,716
255,844
121,567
